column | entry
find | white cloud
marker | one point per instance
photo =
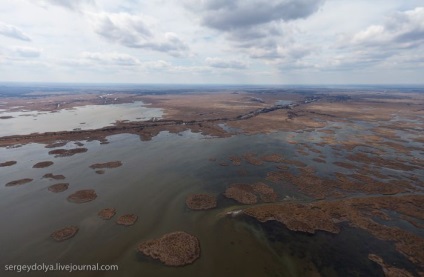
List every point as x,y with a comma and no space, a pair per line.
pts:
110,58
137,31
212,41
401,34
157,65
224,63
371,33
402,30
13,32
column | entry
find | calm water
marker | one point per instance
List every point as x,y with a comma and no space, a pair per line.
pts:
283,102
84,118
153,183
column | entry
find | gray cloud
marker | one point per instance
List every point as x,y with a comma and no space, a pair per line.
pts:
135,32
224,63
122,28
256,27
13,32
239,14
170,43
253,33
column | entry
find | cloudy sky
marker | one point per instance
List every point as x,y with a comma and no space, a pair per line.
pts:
212,41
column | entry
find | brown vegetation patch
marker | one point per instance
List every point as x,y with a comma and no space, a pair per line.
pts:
307,183
399,147
275,176
296,217
389,271
173,249
82,196
8,163
19,182
312,149
54,177
278,120
367,171
127,219
295,163
309,170
248,194
369,185
242,193
58,187
272,158
326,131
354,110
100,171
42,164
381,162
107,213
319,188
345,165
413,222
201,201
235,160
324,215
242,172
67,152
204,112
65,233
49,103
302,150
113,164
202,106
252,159
265,192
56,144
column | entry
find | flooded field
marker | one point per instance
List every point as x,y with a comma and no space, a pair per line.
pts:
341,198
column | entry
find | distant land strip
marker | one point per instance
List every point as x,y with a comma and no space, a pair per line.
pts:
138,126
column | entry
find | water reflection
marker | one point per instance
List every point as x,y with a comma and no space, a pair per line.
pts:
84,118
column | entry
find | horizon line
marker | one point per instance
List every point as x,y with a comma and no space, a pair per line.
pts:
208,84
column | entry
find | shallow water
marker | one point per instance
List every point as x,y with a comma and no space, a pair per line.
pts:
283,102
84,118
153,183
